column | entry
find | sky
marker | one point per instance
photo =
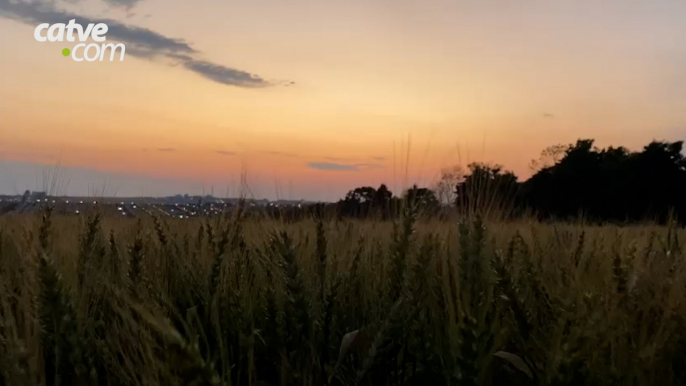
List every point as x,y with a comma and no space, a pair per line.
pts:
309,99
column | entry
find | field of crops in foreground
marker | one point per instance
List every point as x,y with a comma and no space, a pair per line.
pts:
99,300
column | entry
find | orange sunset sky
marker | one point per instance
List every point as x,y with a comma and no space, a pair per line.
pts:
309,99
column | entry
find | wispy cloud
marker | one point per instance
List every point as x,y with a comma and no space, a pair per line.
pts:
166,149
330,166
122,3
140,42
139,38
225,152
379,158
548,115
224,75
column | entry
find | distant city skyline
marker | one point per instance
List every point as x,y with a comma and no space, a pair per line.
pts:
310,99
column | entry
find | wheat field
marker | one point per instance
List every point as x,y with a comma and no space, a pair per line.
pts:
236,300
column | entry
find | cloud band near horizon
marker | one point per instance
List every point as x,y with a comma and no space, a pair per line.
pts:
330,166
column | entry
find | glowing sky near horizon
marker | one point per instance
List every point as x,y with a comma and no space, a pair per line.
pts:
347,89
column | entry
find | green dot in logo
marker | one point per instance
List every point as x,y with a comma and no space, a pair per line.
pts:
66,52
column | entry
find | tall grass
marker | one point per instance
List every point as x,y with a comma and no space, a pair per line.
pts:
238,301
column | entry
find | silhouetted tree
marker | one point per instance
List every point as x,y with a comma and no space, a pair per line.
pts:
550,156
445,187
486,188
424,198
382,201
365,201
612,183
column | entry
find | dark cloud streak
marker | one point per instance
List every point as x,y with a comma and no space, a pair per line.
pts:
224,75
331,166
140,38
140,42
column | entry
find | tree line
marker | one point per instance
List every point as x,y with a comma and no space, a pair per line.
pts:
569,181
